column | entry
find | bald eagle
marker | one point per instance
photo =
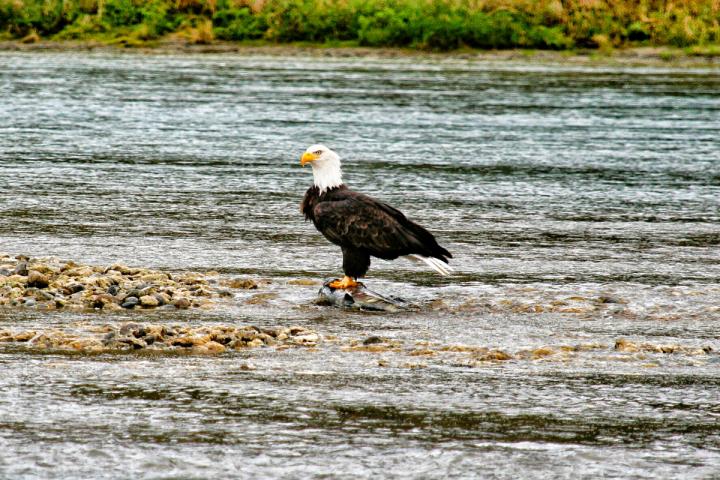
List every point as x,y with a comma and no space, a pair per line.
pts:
362,226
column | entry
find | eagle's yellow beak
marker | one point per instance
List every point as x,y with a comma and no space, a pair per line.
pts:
307,158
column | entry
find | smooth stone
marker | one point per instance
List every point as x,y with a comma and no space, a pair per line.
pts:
130,302
149,301
44,295
161,298
30,302
37,279
21,269
244,283
129,327
181,303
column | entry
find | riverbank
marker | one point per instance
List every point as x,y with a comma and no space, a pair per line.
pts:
442,25
640,56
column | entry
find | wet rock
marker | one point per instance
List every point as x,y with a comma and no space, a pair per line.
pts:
212,348
609,299
134,343
129,328
181,303
261,298
102,300
422,352
373,340
149,301
133,336
24,336
21,269
130,302
492,356
304,282
187,341
155,277
42,295
162,298
75,288
542,352
243,283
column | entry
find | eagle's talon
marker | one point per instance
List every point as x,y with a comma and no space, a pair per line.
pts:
345,283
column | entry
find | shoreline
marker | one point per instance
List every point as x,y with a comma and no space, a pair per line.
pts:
633,56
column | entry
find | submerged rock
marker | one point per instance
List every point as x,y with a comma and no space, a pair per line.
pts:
131,336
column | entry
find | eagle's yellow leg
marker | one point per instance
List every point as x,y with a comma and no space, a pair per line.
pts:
346,282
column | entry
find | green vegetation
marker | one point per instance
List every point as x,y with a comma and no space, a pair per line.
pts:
423,24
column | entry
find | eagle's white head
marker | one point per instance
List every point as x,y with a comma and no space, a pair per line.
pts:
326,166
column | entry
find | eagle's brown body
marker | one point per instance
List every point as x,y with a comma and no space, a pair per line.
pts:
365,227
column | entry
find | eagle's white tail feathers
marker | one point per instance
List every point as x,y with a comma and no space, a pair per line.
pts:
438,265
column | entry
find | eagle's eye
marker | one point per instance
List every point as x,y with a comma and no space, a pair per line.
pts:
319,152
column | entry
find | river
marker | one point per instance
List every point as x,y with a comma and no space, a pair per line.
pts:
581,204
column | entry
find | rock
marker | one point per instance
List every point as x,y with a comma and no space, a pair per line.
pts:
24,336
75,288
625,346
162,298
30,302
43,295
261,298
129,328
100,301
492,356
373,340
306,282
542,352
130,302
154,277
181,303
113,289
21,269
149,301
243,283
609,299
187,341
209,348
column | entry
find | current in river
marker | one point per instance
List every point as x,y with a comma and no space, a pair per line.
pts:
581,203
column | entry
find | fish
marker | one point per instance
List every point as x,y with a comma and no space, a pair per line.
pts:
360,298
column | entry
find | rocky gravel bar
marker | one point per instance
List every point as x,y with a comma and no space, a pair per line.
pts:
51,284
131,336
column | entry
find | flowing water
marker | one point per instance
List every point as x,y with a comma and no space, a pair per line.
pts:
581,204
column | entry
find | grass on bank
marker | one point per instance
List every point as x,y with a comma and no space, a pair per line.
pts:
423,24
